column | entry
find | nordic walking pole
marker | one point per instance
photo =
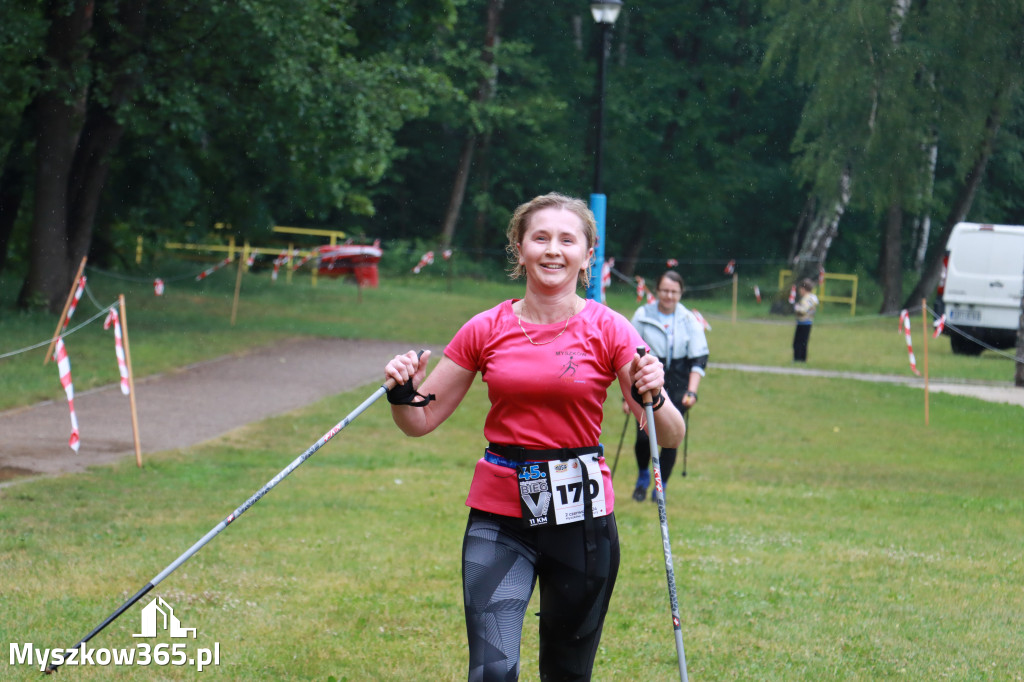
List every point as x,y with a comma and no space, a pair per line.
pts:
659,491
621,438
686,438
173,566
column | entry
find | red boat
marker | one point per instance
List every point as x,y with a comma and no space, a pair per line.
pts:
359,260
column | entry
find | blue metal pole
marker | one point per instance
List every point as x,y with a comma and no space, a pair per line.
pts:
599,205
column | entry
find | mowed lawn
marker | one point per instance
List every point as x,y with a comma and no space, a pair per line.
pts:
823,530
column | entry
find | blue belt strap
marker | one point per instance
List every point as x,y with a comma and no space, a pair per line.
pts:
497,459
511,464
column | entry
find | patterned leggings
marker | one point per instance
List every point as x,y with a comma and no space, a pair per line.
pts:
501,560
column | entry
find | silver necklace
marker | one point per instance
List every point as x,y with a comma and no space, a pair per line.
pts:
572,313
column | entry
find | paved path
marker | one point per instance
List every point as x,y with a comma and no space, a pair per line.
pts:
996,392
188,406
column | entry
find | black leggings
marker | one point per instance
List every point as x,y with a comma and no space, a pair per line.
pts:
501,560
801,337
667,456
642,450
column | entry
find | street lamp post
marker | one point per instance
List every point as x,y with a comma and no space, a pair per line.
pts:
605,12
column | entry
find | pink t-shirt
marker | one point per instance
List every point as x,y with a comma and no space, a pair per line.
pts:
542,396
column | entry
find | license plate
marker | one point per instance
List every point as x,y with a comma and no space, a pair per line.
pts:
961,315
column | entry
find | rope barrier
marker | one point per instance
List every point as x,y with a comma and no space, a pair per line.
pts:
67,332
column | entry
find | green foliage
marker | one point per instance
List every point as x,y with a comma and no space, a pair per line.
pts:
718,118
21,35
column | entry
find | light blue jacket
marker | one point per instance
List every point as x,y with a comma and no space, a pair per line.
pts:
690,341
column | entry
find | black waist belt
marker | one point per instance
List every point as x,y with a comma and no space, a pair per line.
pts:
520,454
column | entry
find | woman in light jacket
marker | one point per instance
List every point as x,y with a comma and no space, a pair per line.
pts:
677,338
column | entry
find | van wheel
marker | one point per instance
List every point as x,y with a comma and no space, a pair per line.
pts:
963,346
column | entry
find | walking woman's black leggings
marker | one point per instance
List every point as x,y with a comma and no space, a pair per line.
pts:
501,560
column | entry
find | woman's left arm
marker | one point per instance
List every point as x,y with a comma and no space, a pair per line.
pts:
648,374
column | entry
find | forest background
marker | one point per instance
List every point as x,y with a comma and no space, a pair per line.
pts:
844,135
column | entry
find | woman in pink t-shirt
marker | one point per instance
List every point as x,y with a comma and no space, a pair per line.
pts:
541,500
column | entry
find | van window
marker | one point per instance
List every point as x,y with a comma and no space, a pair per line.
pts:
988,253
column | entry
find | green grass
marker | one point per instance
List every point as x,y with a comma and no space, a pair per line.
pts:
823,532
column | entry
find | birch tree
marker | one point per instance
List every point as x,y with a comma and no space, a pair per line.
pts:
849,54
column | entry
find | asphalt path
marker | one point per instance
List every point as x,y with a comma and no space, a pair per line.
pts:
188,406
203,401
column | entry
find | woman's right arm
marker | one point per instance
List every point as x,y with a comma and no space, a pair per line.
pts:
448,382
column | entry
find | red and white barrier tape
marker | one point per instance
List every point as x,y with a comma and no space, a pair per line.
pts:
158,287
606,277
905,324
939,325
641,287
60,354
757,293
281,259
427,259
209,271
302,261
700,318
122,367
730,267
74,300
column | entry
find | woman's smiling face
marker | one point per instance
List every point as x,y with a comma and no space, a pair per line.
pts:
554,248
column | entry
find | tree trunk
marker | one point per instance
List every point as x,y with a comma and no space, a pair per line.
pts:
822,229
800,229
483,206
892,260
59,114
103,132
634,245
923,224
12,189
451,216
930,277
484,92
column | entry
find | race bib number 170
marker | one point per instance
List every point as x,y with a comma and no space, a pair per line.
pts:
556,492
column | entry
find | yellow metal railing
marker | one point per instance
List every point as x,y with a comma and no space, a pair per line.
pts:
231,248
334,235
851,300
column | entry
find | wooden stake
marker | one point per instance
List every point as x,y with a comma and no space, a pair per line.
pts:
238,283
63,315
735,292
924,326
131,381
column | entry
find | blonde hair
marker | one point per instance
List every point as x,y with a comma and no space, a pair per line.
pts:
520,221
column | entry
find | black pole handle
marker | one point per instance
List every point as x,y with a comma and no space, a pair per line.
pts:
648,399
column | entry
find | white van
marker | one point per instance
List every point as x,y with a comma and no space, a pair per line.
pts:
982,284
